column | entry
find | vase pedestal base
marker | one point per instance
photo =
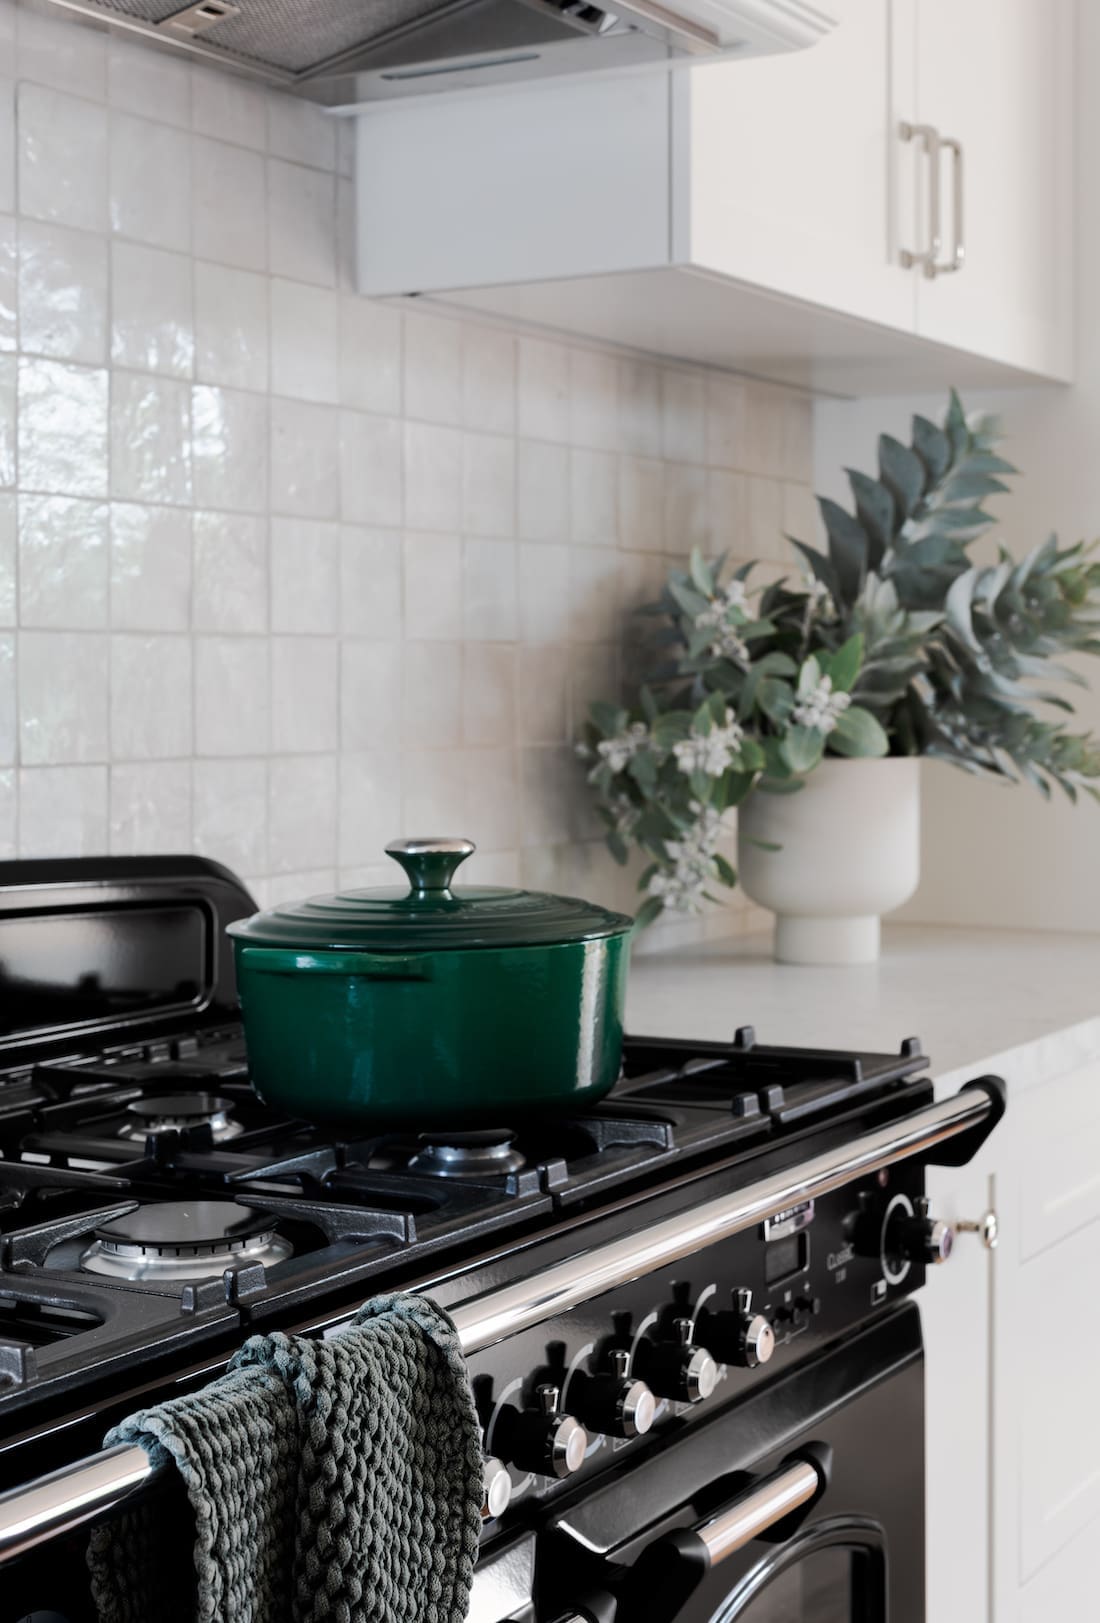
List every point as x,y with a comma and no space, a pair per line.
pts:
800,940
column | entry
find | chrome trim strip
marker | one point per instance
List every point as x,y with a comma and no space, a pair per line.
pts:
758,1510
519,1306
52,1504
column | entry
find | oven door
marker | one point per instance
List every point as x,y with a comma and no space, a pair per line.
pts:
800,1504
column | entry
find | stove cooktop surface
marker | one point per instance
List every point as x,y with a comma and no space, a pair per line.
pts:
146,1194
150,1202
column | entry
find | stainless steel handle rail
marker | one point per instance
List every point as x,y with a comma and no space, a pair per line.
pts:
54,1503
933,143
758,1510
929,137
958,245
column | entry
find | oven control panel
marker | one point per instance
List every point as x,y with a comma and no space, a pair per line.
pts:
563,1400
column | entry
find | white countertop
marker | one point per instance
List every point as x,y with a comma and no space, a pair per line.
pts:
1024,1004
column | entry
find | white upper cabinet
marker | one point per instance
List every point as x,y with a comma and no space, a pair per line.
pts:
994,79
767,214
788,173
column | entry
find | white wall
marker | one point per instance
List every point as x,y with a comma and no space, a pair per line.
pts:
283,571
993,855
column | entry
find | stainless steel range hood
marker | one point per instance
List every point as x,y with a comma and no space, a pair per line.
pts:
345,52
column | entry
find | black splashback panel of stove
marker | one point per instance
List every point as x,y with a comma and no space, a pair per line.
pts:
120,944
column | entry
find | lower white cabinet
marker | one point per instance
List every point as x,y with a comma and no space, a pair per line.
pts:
1013,1392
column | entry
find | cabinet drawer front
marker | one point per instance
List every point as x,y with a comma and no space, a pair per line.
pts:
1060,1172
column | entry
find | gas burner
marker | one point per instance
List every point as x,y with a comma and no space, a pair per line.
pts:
485,1154
179,1111
183,1239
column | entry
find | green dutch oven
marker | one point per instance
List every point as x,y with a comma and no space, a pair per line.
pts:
432,1006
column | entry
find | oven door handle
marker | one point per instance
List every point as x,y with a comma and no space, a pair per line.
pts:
947,1133
670,1569
757,1511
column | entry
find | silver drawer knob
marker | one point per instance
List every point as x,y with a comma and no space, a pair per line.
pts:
986,1228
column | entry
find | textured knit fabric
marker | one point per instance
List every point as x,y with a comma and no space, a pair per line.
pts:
334,1479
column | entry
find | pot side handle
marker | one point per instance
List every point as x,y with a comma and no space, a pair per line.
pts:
366,965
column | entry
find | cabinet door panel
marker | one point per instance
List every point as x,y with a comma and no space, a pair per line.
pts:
1055,1340
1066,1587
790,171
1061,1174
997,76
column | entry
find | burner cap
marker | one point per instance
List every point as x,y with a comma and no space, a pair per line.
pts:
183,1239
484,1154
164,1111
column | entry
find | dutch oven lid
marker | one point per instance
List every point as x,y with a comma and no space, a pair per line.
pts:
429,914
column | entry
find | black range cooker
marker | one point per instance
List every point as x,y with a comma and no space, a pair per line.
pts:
686,1312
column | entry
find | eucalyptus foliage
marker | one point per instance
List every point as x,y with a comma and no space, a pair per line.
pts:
891,642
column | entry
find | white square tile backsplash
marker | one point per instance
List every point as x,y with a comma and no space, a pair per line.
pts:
284,572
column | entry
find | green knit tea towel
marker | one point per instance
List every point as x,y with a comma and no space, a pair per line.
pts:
337,1480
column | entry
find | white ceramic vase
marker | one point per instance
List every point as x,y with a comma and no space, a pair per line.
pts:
849,851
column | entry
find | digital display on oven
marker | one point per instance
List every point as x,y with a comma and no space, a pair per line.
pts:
69,968
782,1258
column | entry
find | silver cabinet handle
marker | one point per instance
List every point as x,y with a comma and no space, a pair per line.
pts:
958,243
51,1504
928,259
754,1512
986,1228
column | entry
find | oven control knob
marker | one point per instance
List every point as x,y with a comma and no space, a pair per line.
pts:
922,1237
741,1336
616,1404
547,1441
498,1487
679,1369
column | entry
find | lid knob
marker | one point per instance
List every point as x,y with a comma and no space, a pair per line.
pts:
430,863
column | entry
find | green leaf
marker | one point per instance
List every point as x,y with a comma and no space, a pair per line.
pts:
617,846
692,603
802,748
775,664
778,786
875,511
651,909
775,699
609,718
701,573
809,676
820,565
902,472
843,666
670,728
703,719
724,870
961,519
932,446
858,733
954,425
642,767
752,755
972,487
735,787
847,548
